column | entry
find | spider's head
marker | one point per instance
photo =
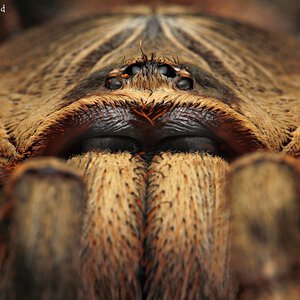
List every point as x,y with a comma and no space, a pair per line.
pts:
149,105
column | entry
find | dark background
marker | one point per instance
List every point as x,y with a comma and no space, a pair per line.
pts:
276,15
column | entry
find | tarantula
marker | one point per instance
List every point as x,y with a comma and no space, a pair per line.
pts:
150,156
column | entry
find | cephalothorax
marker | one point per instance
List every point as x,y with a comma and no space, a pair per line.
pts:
126,170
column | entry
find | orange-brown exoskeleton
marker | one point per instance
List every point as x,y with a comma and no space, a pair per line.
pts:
150,155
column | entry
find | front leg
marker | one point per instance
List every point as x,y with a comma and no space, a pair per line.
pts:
47,199
264,197
293,147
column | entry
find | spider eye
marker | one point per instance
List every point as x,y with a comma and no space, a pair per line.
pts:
166,70
113,83
185,83
133,69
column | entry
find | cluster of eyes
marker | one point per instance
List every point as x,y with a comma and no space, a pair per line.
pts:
182,82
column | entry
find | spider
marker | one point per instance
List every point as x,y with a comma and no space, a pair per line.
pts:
150,156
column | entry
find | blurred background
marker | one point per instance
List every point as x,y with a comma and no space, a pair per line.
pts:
275,15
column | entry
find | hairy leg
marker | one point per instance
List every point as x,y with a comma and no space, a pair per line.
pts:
187,228
112,242
264,198
47,200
